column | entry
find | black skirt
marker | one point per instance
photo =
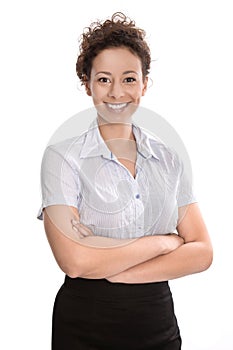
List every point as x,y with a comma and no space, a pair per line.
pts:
95,314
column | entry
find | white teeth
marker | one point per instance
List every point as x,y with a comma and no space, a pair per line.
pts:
117,105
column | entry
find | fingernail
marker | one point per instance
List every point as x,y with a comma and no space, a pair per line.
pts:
75,228
75,222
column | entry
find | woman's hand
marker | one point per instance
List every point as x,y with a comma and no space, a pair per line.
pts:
194,256
172,241
82,230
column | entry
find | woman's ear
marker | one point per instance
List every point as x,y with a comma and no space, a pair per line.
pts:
86,84
144,86
87,88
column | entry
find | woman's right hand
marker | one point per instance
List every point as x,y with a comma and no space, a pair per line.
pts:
82,230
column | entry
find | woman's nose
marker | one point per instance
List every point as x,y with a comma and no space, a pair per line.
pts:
116,90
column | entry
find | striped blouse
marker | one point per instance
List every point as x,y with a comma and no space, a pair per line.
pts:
84,173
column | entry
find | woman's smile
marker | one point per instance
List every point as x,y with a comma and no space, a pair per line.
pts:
117,107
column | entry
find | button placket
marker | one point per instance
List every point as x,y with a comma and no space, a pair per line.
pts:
139,209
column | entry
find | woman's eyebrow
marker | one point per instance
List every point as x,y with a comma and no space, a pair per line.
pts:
130,71
103,72
124,73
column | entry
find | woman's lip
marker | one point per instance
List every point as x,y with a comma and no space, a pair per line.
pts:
117,106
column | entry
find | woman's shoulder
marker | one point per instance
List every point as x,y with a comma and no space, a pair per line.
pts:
67,146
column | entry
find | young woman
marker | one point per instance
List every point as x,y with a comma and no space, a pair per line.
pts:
114,199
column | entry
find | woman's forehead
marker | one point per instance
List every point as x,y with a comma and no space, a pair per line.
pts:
117,59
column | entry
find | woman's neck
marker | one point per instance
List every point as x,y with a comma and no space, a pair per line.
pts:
110,131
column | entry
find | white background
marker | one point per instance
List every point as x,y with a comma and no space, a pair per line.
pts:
191,43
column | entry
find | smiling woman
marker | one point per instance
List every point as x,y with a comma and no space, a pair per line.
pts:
117,187
116,84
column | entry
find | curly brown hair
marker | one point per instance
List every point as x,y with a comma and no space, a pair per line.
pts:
117,32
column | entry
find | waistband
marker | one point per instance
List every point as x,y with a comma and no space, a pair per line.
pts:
102,287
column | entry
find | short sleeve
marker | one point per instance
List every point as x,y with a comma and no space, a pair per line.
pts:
59,180
185,192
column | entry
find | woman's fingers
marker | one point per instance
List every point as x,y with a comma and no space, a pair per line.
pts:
76,213
83,230
77,231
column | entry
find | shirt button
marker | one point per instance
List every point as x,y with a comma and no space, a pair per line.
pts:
137,195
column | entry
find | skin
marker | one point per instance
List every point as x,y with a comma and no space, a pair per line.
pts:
116,80
80,259
192,257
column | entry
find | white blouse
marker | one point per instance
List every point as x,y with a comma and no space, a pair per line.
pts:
84,173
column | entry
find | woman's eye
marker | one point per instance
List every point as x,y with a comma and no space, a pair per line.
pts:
130,80
104,80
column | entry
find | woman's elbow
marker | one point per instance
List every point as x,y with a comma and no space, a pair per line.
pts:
70,269
207,258
72,274
81,269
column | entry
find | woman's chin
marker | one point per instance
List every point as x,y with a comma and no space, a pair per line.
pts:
123,115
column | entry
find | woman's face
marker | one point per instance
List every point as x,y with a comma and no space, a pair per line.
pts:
116,84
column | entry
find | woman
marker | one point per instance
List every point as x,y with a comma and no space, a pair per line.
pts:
112,200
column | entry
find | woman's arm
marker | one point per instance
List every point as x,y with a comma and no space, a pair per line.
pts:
194,256
79,260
